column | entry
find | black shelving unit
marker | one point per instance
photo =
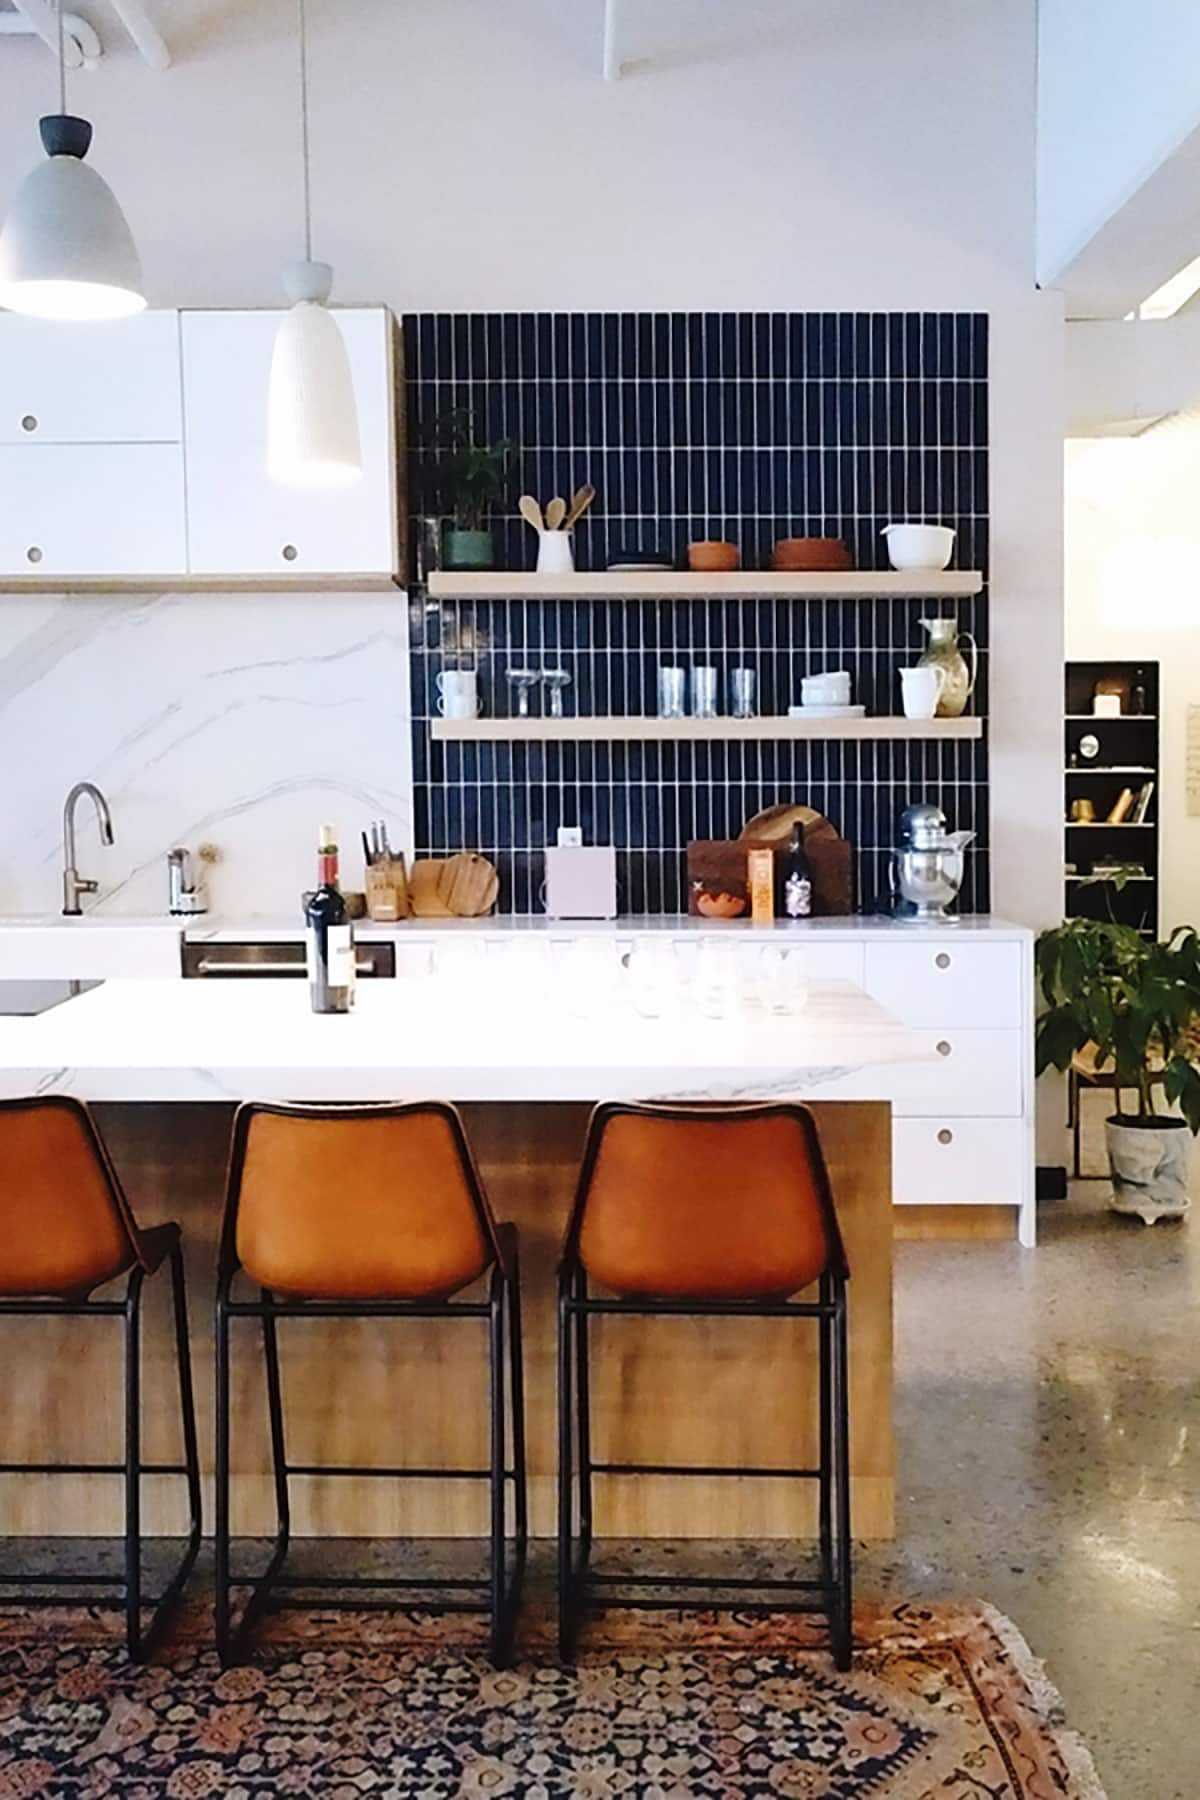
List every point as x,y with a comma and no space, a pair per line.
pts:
1126,755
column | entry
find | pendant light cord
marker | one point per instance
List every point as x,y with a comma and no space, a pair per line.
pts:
303,125
62,61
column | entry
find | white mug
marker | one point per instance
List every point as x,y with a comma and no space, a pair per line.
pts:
921,689
458,694
555,556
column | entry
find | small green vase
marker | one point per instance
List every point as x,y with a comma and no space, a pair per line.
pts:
468,549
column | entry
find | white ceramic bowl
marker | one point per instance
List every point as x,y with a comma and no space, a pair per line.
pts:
919,546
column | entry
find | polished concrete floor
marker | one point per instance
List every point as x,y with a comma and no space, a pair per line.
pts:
1048,1424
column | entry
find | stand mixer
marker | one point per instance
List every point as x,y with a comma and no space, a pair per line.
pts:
927,868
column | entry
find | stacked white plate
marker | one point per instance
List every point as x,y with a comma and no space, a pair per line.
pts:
826,712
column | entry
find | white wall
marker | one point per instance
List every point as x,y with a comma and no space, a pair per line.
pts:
1118,96
1133,590
776,154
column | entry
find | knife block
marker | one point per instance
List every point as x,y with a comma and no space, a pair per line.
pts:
387,890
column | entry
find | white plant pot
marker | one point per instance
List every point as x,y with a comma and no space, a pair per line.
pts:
1149,1168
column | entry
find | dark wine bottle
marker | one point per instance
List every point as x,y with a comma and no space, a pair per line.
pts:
797,877
330,940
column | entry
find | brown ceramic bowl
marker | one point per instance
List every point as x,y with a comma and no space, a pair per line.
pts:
712,556
794,555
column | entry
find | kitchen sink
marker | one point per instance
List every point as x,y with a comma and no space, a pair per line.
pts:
26,999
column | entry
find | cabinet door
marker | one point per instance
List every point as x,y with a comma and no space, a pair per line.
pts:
91,509
240,522
115,381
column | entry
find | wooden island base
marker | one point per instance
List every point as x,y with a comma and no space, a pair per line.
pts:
711,1391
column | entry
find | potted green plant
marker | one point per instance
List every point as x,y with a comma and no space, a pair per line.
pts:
467,480
1136,1005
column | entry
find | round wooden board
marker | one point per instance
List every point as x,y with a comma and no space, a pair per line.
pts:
774,824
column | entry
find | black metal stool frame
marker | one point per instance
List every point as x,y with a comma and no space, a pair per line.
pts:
497,1595
139,1642
577,1583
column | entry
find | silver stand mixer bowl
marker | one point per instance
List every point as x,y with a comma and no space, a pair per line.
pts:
927,882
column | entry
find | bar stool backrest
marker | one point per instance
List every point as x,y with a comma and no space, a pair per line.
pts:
356,1202
65,1225
718,1203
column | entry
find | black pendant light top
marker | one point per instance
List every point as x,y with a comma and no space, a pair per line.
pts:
65,135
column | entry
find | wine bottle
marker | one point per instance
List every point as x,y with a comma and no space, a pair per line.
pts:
330,935
797,877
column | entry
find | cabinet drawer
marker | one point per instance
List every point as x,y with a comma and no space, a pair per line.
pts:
941,983
977,1073
957,1162
110,382
91,509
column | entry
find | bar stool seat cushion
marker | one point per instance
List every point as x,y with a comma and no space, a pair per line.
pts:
704,1209
61,1226
358,1207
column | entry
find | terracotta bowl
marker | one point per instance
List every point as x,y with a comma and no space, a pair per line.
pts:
713,556
798,554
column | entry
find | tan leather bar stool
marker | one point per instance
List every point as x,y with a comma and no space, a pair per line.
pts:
712,1212
66,1230
362,1212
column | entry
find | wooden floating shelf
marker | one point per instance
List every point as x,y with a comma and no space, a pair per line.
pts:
1111,825
695,730
665,584
1109,718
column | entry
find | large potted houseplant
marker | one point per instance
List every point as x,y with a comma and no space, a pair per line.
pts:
1134,1005
468,481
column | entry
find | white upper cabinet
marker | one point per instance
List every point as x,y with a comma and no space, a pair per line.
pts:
112,382
240,522
82,510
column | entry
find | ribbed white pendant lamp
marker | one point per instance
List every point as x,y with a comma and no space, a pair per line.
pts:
312,421
66,251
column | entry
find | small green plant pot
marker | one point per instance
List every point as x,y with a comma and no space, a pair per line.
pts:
468,549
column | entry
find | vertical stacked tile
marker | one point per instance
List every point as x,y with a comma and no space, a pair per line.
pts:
750,427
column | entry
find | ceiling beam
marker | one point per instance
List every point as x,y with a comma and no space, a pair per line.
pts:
143,31
42,18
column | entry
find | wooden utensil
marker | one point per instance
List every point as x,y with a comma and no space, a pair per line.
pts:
580,501
556,512
531,512
468,885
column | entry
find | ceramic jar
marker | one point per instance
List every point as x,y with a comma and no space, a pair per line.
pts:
943,653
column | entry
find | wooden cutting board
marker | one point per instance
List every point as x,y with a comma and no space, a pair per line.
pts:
468,885
424,890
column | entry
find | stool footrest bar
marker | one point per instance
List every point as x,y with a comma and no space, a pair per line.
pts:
717,1469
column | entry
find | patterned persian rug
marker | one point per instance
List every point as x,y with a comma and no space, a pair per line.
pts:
943,1703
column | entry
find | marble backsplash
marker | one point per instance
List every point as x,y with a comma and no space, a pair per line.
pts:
240,720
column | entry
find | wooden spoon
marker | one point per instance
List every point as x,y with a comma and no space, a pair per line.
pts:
580,502
556,512
531,512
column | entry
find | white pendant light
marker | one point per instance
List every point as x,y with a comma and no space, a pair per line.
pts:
66,251
312,419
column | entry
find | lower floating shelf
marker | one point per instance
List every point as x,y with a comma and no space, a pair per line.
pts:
704,730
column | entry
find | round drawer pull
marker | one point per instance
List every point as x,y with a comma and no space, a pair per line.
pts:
290,553
945,1135
944,1048
33,554
942,959
29,423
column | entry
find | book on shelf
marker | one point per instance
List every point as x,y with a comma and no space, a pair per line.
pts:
1141,805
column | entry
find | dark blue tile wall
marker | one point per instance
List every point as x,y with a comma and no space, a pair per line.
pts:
743,426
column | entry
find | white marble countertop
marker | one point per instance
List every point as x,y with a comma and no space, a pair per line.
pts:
218,928
175,1040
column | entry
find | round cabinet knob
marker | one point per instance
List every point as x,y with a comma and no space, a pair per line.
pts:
33,554
29,423
945,1135
942,959
290,553
943,1048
